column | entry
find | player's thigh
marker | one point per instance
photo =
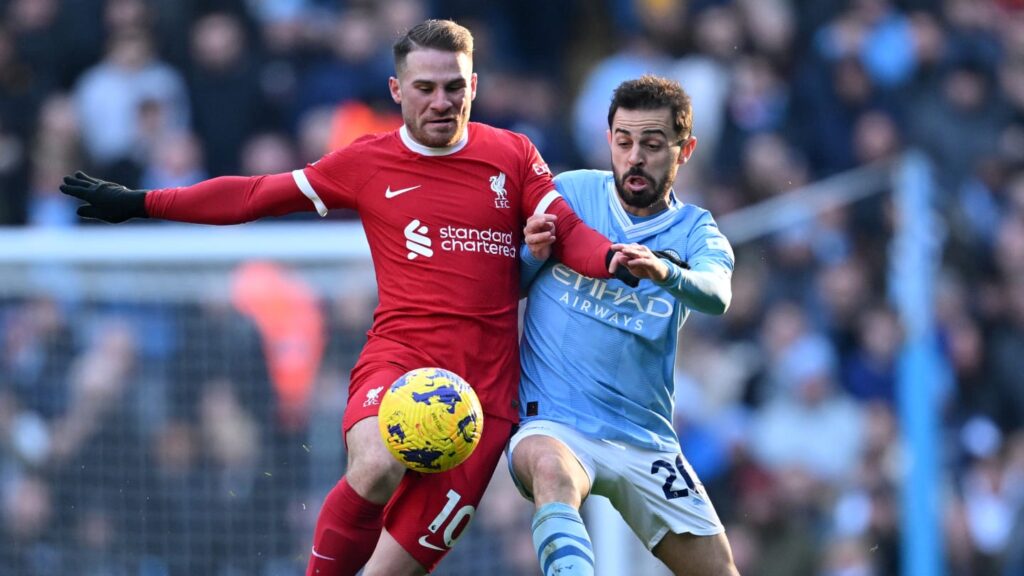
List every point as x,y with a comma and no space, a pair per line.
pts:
429,512
657,493
372,471
546,467
692,555
391,559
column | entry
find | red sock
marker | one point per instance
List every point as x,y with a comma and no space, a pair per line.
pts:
346,533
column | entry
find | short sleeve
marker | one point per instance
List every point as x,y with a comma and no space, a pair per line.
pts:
538,188
335,180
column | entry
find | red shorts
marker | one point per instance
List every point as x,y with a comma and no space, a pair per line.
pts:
428,512
369,382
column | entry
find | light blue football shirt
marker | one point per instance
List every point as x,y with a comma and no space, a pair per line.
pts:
598,355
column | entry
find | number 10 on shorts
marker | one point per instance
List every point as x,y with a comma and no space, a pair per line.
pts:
453,521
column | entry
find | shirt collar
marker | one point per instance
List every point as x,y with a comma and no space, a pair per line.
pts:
418,148
646,227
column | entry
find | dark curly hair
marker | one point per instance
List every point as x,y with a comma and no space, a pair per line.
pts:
650,92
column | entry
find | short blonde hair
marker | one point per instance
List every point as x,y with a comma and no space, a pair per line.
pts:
443,35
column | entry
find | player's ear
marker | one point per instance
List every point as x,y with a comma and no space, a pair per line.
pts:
472,87
608,136
687,150
396,89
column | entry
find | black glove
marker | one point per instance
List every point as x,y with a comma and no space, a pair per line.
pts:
621,272
671,258
106,201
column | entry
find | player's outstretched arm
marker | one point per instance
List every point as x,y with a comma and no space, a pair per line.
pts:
224,200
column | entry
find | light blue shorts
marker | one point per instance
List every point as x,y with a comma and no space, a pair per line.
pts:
655,492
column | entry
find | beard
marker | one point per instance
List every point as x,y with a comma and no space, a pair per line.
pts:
437,135
654,192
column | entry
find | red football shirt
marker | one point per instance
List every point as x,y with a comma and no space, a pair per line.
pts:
444,229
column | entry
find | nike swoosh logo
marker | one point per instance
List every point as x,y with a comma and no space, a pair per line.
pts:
321,556
392,193
425,544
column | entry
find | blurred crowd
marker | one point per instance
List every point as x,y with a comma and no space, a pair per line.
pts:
189,439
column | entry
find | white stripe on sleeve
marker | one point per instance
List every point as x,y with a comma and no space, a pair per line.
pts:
307,189
546,201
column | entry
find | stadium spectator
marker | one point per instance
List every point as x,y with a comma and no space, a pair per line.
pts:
20,93
175,160
965,98
807,397
23,83
55,151
224,86
356,67
637,56
709,72
869,371
315,132
27,512
267,153
111,95
758,102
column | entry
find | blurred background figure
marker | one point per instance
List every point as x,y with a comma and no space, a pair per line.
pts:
224,89
120,95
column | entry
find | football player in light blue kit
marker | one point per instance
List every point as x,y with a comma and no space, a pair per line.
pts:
598,356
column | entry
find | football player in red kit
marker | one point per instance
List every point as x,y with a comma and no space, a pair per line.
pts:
443,202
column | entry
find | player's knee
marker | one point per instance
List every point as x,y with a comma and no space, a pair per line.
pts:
553,480
374,473
551,468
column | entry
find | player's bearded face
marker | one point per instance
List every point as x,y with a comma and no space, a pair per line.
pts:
436,91
646,152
